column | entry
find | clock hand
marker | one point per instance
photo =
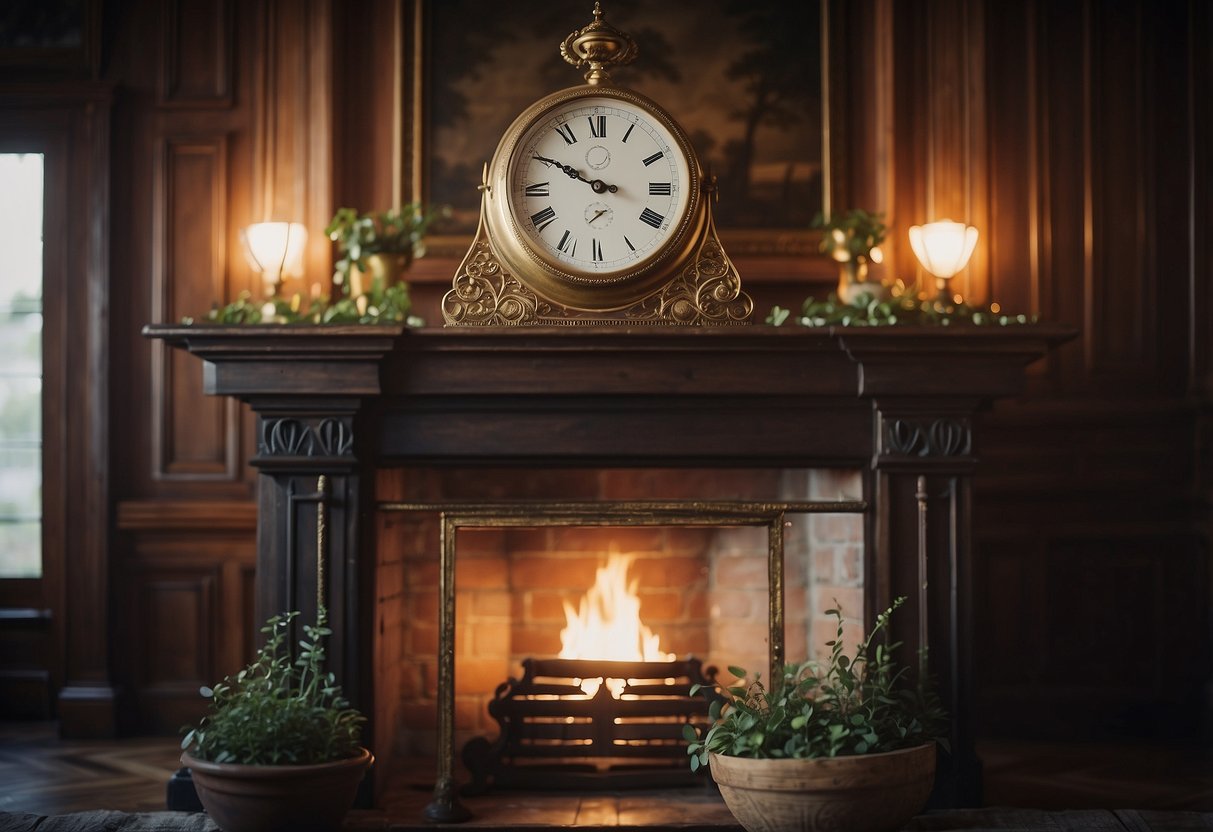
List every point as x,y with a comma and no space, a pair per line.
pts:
599,214
597,185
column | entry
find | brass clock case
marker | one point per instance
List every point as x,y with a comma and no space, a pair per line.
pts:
561,282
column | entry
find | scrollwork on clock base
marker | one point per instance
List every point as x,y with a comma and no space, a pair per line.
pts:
706,292
484,294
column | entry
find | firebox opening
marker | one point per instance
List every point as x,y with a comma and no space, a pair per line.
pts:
676,593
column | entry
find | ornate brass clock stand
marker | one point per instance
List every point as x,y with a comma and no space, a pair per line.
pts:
691,282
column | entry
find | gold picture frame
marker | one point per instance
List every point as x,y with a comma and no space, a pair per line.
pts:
775,248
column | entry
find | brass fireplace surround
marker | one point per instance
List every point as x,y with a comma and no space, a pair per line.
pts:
445,806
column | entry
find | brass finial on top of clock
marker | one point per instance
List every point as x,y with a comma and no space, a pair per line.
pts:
600,46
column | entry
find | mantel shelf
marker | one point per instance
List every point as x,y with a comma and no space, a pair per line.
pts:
246,361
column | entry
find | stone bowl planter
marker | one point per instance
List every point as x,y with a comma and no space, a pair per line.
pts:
861,793
310,798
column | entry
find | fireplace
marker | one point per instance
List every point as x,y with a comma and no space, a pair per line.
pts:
380,409
675,561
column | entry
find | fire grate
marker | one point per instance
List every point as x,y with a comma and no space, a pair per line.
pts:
555,735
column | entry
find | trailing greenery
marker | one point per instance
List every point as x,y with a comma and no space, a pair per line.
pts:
860,704
378,306
395,231
398,231
905,306
851,235
277,711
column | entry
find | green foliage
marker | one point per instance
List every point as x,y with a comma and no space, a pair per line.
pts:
853,704
905,306
777,315
851,235
378,306
277,711
395,231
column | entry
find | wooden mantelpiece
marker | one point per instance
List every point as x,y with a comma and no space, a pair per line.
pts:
898,403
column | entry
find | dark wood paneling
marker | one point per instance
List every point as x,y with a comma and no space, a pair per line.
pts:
183,594
1078,127
1012,237
193,436
1120,332
1062,103
182,512
1108,620
195,54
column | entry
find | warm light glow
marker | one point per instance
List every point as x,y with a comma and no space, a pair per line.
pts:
607,626
275,249
943,247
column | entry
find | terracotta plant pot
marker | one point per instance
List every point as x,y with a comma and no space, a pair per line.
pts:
311,798
862,793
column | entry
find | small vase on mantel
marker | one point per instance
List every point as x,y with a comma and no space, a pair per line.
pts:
853,281
382,270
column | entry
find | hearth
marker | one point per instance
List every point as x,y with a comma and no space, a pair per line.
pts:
360,404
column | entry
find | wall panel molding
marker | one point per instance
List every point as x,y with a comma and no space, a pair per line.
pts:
181,610
292,99
195,67
1122,335
194,437
187,515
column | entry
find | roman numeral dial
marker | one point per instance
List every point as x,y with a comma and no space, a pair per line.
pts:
599,186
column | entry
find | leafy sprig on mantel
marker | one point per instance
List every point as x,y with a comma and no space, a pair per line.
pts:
379,306
905,306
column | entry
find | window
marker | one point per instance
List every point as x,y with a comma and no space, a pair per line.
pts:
21,212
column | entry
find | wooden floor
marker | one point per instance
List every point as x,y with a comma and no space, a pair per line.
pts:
44,775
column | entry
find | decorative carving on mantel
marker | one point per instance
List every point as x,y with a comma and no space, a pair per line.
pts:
926,436
291,437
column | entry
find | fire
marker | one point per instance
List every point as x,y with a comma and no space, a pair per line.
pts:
607,626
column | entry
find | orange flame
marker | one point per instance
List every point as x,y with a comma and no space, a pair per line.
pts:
607,626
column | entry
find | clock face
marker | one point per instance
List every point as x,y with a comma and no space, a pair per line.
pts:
599,187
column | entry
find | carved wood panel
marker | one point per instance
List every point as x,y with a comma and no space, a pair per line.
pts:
183,613
1108,624
194,436
195,54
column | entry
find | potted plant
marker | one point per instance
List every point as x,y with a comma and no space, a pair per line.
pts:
853,239
381,245
279,749
844,744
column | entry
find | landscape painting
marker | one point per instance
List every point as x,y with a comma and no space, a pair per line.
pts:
742,77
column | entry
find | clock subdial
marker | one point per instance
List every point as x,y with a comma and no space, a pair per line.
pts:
598,157
598,215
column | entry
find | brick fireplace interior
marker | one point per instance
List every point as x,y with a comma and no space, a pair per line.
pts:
703,591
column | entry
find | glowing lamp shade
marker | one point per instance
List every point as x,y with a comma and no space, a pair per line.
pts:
943,247
275,249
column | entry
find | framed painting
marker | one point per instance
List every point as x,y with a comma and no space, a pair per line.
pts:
743,77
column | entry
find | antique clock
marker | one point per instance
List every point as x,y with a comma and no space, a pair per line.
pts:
595,210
